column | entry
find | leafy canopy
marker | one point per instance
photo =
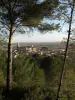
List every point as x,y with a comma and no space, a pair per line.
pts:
26,12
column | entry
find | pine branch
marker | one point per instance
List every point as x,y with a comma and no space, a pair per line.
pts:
14,4
4,24
4,4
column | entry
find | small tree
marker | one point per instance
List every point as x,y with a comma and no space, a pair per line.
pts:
29,13
71,4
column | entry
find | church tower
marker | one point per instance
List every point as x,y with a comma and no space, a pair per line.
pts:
18,45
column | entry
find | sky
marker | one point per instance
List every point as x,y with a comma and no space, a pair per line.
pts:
38,37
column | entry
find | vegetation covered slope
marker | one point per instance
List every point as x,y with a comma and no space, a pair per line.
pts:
37,77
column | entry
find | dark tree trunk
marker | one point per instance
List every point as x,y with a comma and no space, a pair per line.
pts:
9,66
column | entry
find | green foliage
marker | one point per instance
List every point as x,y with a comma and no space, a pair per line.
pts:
37,72
26,73
68,84
37,77
1,97
3,64
29,13
2,79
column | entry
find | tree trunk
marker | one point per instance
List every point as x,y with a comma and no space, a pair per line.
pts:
9,66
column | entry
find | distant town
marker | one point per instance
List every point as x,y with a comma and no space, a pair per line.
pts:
38,48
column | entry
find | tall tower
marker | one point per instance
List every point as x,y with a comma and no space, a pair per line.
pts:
32,47
18,45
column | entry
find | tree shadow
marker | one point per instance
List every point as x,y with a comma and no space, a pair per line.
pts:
26,94
46,65
17,94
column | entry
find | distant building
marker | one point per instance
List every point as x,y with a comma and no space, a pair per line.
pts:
26,49
30,50
20,49
44,49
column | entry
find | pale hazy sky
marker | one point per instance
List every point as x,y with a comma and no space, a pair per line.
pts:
38,37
